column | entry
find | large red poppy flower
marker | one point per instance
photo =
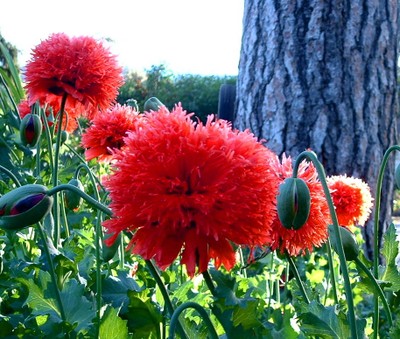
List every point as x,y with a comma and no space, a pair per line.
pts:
107,131
186,188
315,231
80,67
352,199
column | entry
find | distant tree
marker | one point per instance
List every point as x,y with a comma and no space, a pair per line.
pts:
196,93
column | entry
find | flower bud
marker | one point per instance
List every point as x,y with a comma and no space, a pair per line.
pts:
293,203
109,249
30,129
72,199
64,137
349,243
152,104
24,206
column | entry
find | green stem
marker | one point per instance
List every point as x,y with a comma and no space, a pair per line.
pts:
99,287
52,271
332,271
203,314
48,137
294,270
93,202
10,175
378,289
376,230
57,229
342,259
167,300
215,310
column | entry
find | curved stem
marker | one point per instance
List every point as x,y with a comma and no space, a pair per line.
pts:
52,271
332,271
93,202
203,315
378,289
297,276
376,230
163,290
10,175
342,259
55,170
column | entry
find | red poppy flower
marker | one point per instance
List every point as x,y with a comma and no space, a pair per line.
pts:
315,231
69,118
352,199
80,67
186,188
107,131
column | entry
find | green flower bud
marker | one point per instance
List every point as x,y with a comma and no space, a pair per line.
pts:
293,203
24,206
30,129
349,243
109,250
152,104
64,137
72,200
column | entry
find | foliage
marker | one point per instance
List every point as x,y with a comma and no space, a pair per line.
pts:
197,93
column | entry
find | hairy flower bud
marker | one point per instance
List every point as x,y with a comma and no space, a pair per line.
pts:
293,203
397,176
24,206
30,129
72,199
349,243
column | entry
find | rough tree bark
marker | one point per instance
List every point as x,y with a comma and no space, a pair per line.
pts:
323,75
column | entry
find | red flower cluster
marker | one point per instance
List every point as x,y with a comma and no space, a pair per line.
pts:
315,231
352,199
186,188
107,131
80,67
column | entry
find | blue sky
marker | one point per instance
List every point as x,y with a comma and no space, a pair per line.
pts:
199,37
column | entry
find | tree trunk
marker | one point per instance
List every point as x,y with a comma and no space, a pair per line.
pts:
323,75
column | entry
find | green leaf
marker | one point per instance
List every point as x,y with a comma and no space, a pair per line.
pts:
115,290
76,306
246,316
325,322
390,247
41,298
390,251
143,317
112,326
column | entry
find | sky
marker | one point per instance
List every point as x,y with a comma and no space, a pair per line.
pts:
187,36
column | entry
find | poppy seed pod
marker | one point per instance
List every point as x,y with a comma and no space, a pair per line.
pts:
30,129
24,206
293,203
72,199
349,243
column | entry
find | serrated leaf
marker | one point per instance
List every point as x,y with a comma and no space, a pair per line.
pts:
390,251
112,326
246,316
115,290
76,306
390,247
325,322
143,317
41,298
